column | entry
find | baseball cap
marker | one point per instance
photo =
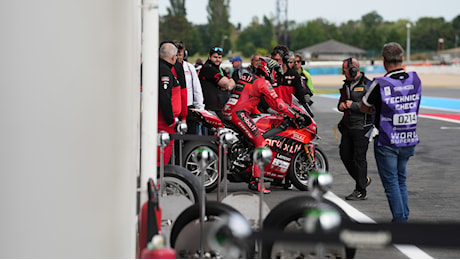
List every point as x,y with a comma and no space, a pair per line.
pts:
236,58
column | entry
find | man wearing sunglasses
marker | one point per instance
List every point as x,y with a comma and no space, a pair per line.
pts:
305,77
216,84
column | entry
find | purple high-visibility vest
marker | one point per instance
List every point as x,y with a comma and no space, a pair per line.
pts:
399,113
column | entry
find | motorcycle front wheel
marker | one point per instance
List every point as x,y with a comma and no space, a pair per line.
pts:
289,215
300,169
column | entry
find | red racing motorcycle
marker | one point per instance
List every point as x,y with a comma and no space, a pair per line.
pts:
292,141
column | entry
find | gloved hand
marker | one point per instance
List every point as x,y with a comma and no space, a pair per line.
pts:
273,64
272,111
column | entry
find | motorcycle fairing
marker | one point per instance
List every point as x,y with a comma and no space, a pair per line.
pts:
300,135
208,118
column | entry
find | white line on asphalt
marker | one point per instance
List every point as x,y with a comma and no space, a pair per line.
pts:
410,251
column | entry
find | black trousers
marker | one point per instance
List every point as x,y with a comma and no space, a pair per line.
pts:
353,149
191,123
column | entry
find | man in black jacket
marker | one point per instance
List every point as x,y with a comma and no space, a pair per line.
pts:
215,83
353,127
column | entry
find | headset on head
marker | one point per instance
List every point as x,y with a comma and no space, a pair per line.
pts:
284,56
351,68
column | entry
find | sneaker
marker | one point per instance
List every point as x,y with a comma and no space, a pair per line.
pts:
356,195
368,181
255,185
287,185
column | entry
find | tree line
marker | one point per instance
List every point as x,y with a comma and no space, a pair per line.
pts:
368,33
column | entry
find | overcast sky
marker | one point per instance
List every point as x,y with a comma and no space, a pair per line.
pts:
335,11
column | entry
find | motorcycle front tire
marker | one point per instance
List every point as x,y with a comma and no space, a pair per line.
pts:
300,179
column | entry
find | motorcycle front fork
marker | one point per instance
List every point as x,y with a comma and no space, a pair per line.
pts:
310,152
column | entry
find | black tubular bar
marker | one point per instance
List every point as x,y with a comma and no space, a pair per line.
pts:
377,235
194,137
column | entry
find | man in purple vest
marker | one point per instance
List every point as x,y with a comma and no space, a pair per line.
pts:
395,101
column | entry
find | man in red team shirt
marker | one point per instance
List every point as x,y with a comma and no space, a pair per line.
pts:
244,99
168,91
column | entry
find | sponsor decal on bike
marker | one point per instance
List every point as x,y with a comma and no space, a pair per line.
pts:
284,145
274,143
280,165
283,157
298,137
292,148
274,175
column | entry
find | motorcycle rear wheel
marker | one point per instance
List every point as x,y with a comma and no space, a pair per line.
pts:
300,169
212,171
179,180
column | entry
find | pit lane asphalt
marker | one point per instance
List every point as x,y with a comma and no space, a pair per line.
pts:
433,175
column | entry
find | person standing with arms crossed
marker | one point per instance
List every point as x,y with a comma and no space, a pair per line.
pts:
215,83
353,127
395,101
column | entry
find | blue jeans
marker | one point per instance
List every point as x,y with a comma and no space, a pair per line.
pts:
391,163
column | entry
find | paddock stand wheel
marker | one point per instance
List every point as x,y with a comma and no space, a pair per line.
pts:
310,214
181,191
247,204
187,229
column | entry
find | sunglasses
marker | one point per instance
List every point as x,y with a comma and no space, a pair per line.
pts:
298,61
218,50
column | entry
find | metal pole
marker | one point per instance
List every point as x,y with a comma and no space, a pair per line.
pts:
224,170
262,157
149,130
202,157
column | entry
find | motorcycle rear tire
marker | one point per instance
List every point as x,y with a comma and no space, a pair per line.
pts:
292,211
212,170
179,179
